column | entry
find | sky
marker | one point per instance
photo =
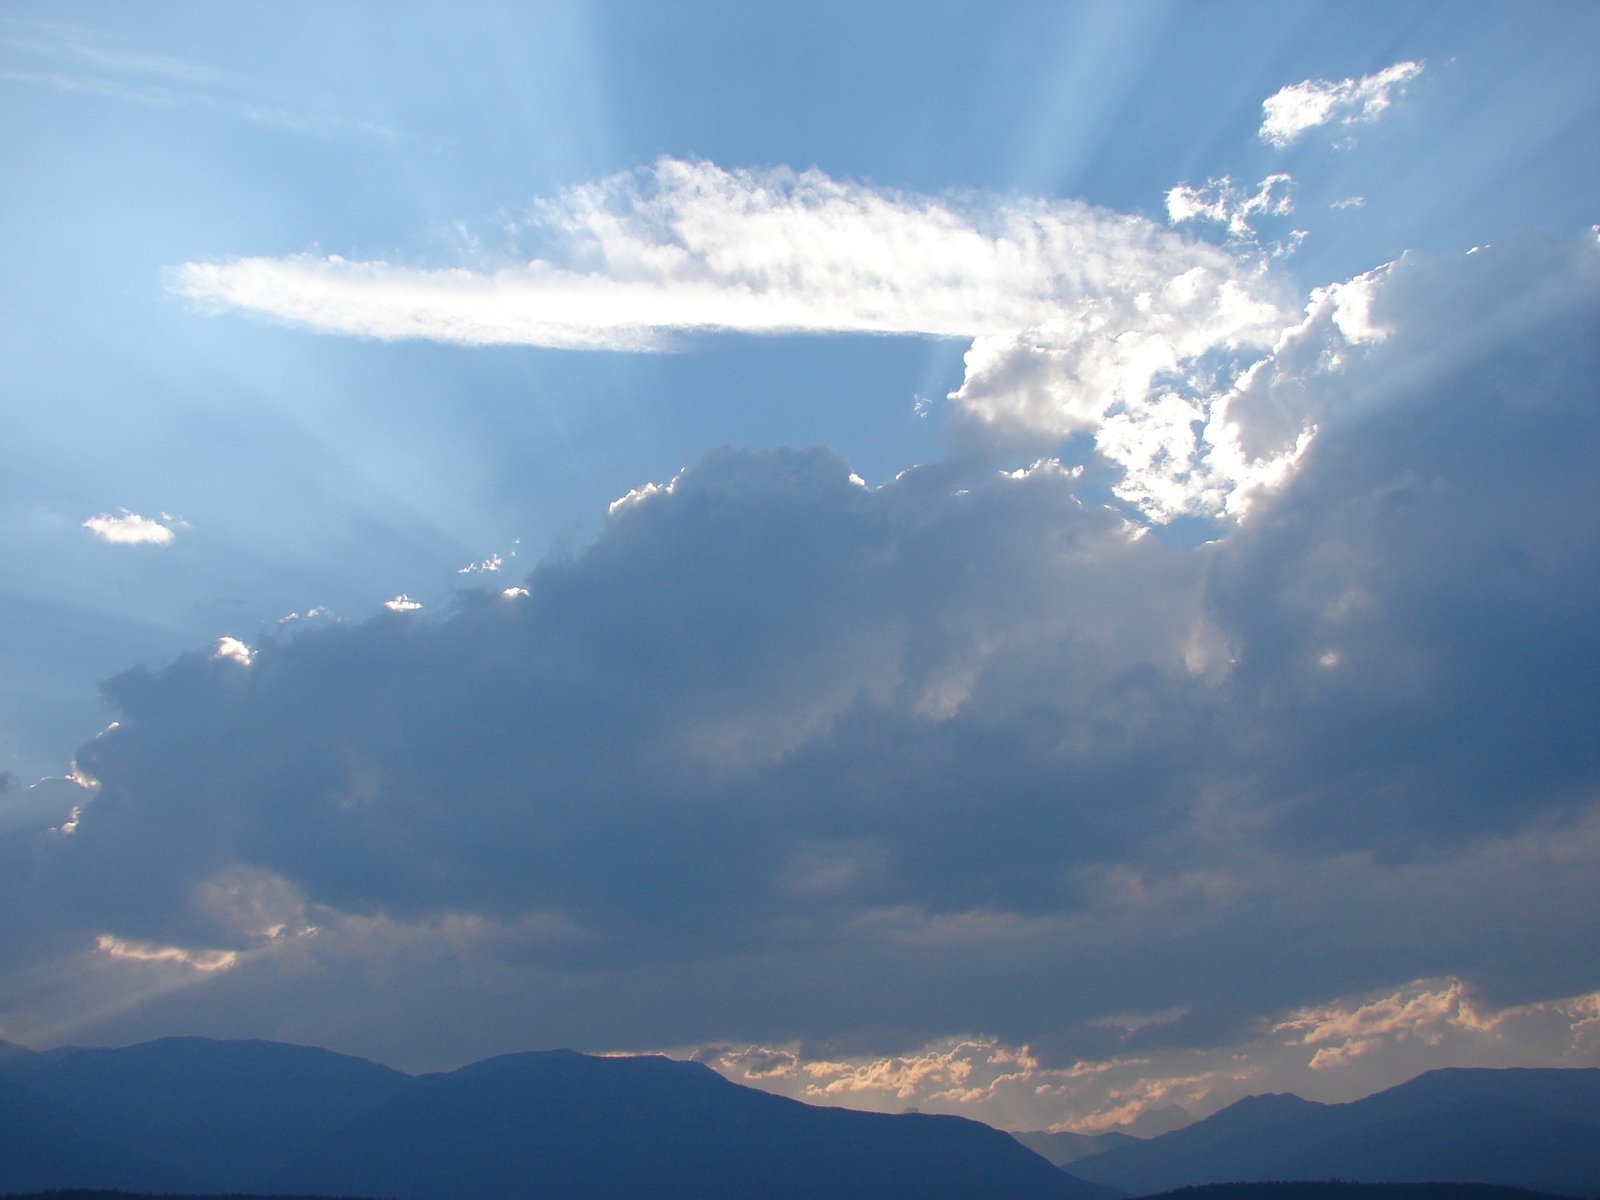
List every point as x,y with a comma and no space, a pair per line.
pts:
1037,561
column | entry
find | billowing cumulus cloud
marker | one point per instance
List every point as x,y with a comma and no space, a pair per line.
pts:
1081,319
936,791
1304,106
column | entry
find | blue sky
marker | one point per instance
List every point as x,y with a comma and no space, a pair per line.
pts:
1036,560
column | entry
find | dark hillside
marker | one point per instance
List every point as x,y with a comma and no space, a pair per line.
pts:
564,1125
1536,1129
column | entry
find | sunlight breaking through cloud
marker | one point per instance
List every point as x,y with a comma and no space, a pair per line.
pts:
1081,319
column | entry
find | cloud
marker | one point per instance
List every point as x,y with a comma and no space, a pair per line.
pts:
865,775
1224,202
1303,106
45,804
1078,315
197,960
130,529
231,649
1426,1023
84,61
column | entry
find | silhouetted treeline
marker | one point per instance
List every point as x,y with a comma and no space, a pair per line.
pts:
80,1194
1332,1189
1335,1189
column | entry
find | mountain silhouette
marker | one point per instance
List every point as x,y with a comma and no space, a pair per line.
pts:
1536,1129
191,1115
216,1115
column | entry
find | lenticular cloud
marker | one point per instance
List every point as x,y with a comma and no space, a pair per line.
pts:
1082,320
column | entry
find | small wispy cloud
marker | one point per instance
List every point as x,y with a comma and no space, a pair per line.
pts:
402,603
66,58
204,961
310,614
1304,106
1223,202
131,529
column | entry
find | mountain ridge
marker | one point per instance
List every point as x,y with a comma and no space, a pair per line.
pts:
1536,1128
191,1115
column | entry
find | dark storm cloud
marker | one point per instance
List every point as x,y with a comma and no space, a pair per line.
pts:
783,756
731,704
1418,660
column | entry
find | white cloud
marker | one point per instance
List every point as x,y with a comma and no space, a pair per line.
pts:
196,960
1434,1012
1303,106
624,262
1075,312
310,614
1225,203
231,649
639,495
130,529
402,603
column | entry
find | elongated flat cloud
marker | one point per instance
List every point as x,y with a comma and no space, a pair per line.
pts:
628,261
1304,106
130,529
1076,312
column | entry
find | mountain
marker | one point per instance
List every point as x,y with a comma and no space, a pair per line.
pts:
1064,1148
563,1124
1153,1122
191,1115
1537,1129
10,1051
216,1116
